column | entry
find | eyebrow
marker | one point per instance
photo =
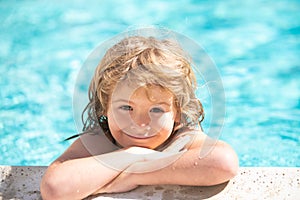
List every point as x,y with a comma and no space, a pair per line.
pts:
127,101
122,100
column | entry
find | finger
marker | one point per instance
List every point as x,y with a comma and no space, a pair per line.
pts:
139,150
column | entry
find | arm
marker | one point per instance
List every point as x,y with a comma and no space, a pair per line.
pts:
76,174
217,167
220,165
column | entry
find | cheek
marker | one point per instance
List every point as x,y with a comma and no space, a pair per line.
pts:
165,121
122,119
113,126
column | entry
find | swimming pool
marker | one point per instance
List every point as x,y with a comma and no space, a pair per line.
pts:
255,44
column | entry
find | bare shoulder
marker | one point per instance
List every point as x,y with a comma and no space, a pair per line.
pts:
196,137
199,139
218,149
87,145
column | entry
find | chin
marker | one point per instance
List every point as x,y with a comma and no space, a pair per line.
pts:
149,143
144,144
135,144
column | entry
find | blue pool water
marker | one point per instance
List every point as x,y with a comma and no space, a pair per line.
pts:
255,44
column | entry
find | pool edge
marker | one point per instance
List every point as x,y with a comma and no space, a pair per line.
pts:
22,182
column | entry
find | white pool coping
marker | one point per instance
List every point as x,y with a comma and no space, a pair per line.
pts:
22,183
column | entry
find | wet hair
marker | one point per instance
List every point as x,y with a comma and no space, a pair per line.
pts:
143,61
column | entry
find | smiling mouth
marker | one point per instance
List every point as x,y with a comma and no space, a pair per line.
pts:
143,137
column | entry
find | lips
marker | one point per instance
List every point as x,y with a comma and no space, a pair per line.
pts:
143,137
137,132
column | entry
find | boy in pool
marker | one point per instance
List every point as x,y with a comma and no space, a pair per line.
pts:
141,127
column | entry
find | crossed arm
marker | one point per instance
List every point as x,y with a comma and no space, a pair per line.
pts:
77,174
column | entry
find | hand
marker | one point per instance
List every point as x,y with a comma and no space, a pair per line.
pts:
150,154
150,160
139,150
153,160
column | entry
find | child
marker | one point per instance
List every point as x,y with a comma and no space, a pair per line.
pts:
140,127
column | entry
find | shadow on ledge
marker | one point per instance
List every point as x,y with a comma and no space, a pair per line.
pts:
166,192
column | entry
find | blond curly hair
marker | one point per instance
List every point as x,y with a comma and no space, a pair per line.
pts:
144,61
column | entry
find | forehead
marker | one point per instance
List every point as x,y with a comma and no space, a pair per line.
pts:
128,91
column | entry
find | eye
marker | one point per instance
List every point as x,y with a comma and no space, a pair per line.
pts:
126,107
157,110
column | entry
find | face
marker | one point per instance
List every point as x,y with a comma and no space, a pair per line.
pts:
141,116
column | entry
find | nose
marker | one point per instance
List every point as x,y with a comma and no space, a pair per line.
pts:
141,118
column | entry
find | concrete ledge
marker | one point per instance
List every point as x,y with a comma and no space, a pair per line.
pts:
251,183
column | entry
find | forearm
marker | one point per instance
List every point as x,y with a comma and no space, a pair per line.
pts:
217,167
78,178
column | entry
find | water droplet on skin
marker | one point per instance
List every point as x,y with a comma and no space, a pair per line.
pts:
195,163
